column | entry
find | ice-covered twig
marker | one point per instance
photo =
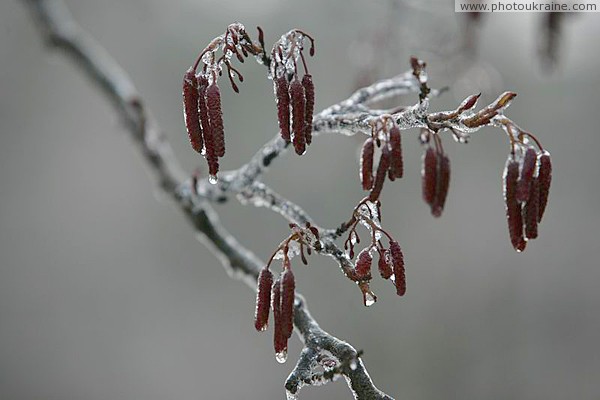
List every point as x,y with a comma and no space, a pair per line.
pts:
61,31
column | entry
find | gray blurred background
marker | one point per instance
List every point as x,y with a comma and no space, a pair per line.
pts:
106,294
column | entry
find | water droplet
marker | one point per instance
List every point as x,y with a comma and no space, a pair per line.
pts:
281,357
290,395
369,299
353,365
213,179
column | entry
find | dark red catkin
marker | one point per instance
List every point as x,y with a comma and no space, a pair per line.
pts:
366,164
513,208
429,175
263,299
385,269
190,109
527,172
531,210
398,264
207,132
382,169
283,107
213,102
298,102
309,94
363,265
442,185
279,338
396,162
544,179
288,286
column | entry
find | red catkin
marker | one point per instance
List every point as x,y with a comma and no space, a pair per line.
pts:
385,269
396,162
207,131
298,103
382,169
527,172
398,264
213,102
279,338
366,164
531,210
513,208
288,286
429,175
263,299
309,94
544,179
442,184
363,265
190,109
283,107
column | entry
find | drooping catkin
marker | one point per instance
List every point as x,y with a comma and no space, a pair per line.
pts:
527,171
531,210
279,338
283,107
363,265
545,179
207,131
190,110
263,299
288,286
385,269
213,102
513,207
309,94
396,162
398,264
429,175
442,184
298,107
382,169
366,164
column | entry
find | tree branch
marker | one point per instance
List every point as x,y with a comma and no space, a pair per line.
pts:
61,32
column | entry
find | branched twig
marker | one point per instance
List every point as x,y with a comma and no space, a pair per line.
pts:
61,32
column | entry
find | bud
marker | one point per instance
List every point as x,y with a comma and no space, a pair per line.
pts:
363,265
527,171
288,285
366,164
190,109
385,269
398,263
297,96
544,180
396,162
443,182
279,338
382,168
213,102
531,210
513,208
283,107
429,175
309,93
263,299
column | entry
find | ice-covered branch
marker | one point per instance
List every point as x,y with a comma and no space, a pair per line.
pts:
61,32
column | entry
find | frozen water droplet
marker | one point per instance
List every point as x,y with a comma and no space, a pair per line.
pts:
353,365
213,179
290,395
369,299
281,357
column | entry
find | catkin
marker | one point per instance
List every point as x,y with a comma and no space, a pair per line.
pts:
283,107
382,169
366,164
298,103
213,102
396,162
513,208
527,171
398,264
544,178
429,175
309,94
288,286
263,299
190,110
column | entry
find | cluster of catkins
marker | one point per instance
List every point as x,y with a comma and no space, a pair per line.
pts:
527,178
386,135
204,118
295,98
435,176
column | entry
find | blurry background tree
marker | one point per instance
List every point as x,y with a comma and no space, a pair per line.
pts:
87,313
